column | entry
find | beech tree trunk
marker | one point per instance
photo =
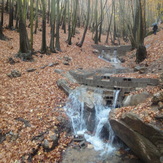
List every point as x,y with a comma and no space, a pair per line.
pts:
43,47
24,46
57,45
86,27
53,8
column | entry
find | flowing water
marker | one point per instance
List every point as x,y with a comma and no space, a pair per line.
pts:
75,110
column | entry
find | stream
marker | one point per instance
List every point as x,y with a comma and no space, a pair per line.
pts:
89,114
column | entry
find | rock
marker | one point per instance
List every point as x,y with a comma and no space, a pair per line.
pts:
53,64
58,71
79,138
132,100
66,63
11,61
122,59
95,51
2,137
135,134
140,69
31,70
64,124
14,74
43,66
158,97
55,139
64,85
45,144
66,58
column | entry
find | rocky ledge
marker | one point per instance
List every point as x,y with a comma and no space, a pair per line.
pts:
144,139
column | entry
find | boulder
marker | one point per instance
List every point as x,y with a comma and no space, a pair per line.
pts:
132,100
145,140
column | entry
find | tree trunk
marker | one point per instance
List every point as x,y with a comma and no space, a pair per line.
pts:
31,22
86,27
108,31
36,17
2,12
52,48
141,52
57,45
2,37
96,24
43,47
64,17
101,20
23,36
48,13
69,25
11,14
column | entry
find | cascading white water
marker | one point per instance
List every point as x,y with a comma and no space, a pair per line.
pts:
75,110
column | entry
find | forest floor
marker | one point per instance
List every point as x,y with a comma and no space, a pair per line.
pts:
30,104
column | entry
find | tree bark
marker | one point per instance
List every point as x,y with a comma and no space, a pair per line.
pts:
36,17
57,45
2,12
52,48
11,14
31,22
96,24
86,27
43,47
23,36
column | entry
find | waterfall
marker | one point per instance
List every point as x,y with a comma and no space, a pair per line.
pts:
75,110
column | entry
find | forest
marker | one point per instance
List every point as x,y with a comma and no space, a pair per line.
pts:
42,41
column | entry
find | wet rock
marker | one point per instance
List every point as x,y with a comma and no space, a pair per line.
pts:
132,100
31,70
14,74
135,134
79,138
